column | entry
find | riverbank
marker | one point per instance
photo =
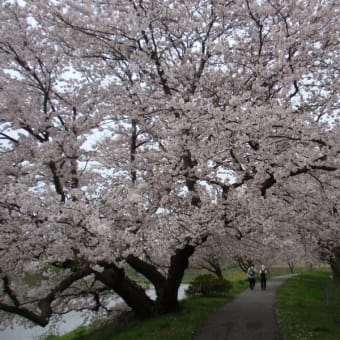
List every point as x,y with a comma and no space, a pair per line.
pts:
66,323
179,326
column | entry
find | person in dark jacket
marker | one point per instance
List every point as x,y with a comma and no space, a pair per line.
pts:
251,273
263,277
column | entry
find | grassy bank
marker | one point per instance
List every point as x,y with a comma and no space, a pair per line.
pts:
173,326
309,307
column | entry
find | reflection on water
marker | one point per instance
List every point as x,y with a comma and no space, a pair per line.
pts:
68,322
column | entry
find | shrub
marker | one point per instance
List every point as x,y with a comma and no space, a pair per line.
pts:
208,285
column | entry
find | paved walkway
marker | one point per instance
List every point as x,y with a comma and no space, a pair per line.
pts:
250,316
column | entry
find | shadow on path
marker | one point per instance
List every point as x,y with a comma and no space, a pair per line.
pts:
250,316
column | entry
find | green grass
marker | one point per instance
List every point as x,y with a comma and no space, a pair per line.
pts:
171,326
308,307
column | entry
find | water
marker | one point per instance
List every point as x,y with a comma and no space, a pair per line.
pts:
67,323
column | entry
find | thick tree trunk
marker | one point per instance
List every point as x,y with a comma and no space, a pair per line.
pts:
134,295
149,271
167,301
335,264
166,288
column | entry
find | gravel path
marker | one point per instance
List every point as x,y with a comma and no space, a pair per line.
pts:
250,316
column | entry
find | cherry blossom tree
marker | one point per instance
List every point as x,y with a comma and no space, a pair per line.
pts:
133,131
217,254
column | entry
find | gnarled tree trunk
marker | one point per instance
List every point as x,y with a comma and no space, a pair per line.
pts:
166,287
134,295
167,301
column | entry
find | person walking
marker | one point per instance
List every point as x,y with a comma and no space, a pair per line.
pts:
251,273
263,277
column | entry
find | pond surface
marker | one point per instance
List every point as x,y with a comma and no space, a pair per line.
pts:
68,322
